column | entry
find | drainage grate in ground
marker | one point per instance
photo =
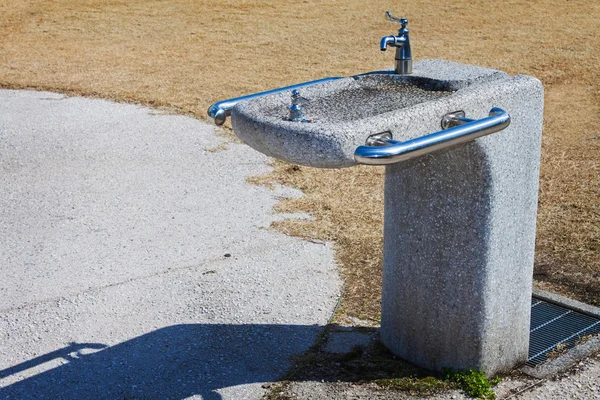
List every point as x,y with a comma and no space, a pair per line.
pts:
555,328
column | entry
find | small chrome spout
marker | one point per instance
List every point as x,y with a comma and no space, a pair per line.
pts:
296,108
391,40
401,43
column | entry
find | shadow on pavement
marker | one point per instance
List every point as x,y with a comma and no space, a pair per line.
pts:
170,363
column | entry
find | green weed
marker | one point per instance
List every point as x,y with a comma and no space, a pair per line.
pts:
474,383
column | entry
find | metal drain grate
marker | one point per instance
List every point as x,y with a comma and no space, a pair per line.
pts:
554,327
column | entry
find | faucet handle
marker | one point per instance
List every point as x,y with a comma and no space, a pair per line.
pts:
390,18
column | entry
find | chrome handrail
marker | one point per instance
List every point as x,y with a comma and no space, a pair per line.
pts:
222,109
456,129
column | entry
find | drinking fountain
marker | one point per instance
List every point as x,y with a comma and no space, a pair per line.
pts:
461,147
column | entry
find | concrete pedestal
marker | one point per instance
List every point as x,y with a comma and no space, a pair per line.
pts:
459,241
459,223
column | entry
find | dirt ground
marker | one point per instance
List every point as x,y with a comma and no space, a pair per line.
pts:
186,54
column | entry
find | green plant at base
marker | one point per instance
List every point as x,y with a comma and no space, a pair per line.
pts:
474,383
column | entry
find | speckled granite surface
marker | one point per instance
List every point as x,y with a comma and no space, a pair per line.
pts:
459,223
459,240
343,113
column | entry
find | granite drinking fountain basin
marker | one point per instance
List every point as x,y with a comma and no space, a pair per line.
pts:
461,145
379,108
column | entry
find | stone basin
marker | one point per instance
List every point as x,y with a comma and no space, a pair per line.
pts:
364,96
343,113
459,220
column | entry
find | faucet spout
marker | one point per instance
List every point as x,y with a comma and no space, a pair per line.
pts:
395,41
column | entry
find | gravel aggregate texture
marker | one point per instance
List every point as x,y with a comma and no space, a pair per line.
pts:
344,342
136,259
459,235
582,382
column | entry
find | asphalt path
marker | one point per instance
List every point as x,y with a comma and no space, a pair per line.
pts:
136,261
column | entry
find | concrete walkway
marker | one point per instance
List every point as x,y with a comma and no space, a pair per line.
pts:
135,259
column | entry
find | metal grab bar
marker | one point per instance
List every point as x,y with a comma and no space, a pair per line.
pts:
222,109
456,130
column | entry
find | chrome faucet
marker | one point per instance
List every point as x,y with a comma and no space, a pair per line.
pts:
401,43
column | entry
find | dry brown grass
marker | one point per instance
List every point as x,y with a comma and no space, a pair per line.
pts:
186,54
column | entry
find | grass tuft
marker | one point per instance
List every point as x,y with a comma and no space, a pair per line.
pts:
416,386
